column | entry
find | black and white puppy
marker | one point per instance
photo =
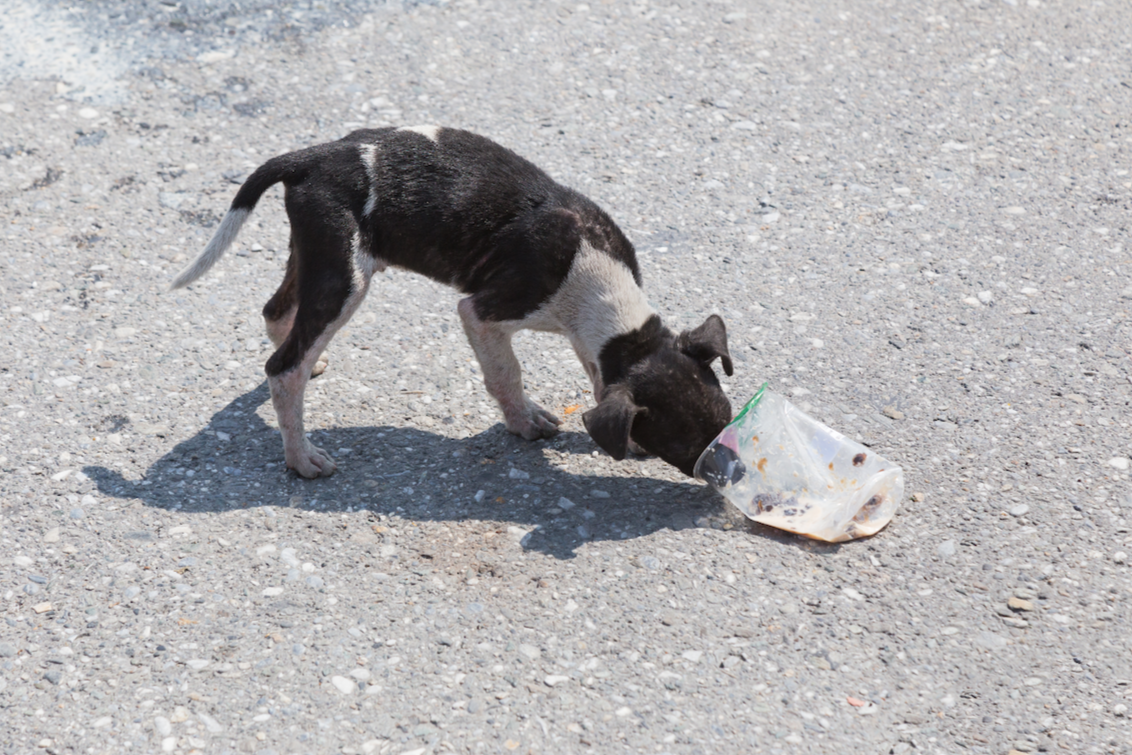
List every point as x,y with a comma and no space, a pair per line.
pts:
529,253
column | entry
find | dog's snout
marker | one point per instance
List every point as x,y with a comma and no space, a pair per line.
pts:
720,466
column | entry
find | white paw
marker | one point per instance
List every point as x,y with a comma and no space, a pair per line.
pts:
319,366
532,422
311,461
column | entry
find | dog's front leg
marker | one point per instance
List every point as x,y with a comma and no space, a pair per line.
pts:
503,377
589,364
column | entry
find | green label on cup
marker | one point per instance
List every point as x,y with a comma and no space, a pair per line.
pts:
750,405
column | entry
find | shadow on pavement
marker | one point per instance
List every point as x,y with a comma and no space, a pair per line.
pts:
236,461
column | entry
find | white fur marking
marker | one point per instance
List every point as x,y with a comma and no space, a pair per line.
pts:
430,132
363,265
221,240
369,160
598,300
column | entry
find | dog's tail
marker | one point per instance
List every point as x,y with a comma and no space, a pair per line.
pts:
271,172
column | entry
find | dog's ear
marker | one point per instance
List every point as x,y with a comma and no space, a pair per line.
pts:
707,342
610,422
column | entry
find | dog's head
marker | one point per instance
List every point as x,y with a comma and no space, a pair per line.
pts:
668,401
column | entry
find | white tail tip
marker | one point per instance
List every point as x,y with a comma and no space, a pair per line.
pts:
221,240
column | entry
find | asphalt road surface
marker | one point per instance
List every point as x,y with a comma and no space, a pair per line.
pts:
913,216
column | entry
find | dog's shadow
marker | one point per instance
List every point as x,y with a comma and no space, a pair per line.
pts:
235,462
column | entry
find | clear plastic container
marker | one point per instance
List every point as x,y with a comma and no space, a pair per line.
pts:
783,468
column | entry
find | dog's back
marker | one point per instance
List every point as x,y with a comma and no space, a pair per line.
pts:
468,212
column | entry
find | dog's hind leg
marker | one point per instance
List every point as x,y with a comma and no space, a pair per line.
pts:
279,313
503,377
333,278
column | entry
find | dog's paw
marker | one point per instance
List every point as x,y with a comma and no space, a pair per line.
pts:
320,366
532,422
311,461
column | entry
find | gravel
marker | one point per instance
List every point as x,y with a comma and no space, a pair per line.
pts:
912,217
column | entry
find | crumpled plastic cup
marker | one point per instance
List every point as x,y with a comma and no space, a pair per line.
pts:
783,468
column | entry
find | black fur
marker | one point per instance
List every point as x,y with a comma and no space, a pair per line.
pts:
707,342
645,366
464,211
609,424
621,352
